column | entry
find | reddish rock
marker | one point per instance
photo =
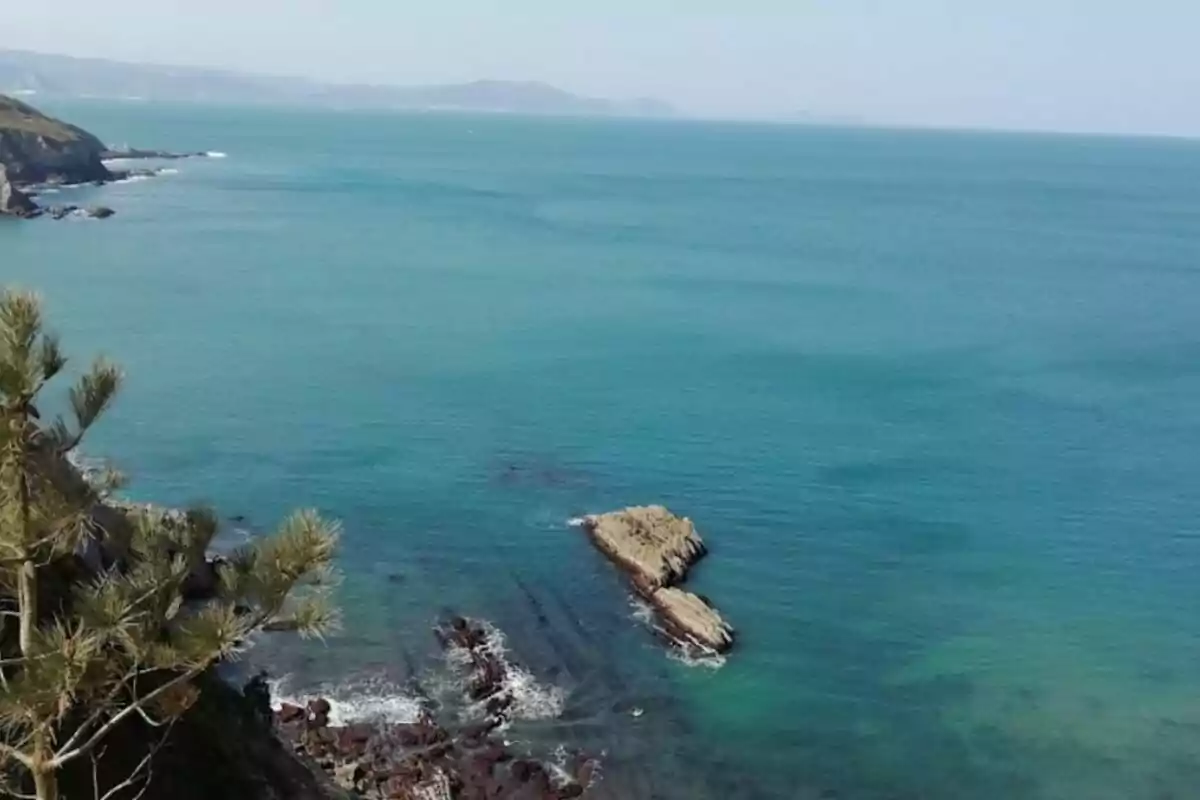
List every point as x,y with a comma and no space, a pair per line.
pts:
289,713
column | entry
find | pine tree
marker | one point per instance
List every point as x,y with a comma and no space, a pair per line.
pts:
100,641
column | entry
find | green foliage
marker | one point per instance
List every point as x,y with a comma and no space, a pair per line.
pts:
127,639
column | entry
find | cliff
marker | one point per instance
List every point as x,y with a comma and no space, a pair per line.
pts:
36,148
13,201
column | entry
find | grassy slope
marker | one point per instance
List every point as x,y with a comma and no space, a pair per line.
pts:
23,118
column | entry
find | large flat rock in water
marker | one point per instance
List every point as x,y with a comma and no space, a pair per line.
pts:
656,546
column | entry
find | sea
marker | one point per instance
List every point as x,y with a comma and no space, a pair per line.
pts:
932,398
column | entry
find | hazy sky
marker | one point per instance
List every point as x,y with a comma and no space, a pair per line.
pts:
1113,65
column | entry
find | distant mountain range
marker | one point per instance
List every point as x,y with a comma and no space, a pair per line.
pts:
27,73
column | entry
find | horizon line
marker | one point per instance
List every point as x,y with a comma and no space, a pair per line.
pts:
679,114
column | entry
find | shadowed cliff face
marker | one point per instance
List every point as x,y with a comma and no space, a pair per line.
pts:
36,148
13,201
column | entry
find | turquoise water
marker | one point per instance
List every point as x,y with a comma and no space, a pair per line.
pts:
933,398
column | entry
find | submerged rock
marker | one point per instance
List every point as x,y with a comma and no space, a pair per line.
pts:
657,548
64,211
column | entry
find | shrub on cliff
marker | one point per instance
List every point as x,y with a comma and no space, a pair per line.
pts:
106,631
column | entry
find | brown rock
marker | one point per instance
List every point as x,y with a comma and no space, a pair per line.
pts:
289,713
689,616
656,546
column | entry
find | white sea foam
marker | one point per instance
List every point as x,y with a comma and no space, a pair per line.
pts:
215,154
577,522
134,178
168,171
557,767
696,657
531,700
359,701
643,612
370,708
90,468
690,654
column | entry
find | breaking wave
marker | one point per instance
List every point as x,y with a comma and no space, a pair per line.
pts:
360,701
696,657
688,654
531,700
642,612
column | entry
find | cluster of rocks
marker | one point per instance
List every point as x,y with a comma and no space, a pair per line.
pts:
426,760
16,202
657,549
90,212
135,153
19,202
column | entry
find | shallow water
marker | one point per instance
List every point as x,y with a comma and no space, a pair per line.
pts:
932,398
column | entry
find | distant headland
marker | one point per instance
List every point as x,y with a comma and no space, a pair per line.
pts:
38,74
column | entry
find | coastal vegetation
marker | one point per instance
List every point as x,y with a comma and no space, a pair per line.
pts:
111,617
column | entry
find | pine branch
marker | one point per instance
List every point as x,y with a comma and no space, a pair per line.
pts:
145,765
51,358
94,392
131,624
7,751
65,755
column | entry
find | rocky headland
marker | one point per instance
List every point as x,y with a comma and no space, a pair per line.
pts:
37,151
657,548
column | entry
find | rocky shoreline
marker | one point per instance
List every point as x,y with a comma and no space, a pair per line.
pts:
657,548
425,759
432,760
38,152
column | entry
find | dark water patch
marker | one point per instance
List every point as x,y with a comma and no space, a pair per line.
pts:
538,472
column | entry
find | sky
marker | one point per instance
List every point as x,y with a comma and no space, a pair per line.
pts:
1121,66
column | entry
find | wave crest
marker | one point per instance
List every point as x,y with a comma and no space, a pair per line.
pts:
531,700
368,700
